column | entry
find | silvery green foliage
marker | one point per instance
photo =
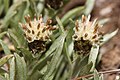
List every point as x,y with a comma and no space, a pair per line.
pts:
59,61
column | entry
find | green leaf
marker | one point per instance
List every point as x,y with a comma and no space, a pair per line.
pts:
21,71
10,13
69,40
12,69
84,79
42,62
27,55
6,4
40,6
59,68
89,6
6,76
108,37
2,71
60,25
80,63
101,77
20,12
2,77
17,37
2,34
5,22
4,59
13,37
5,47
67,50
35,76
33,6
96,75
68,46
64,77
52,66
1,8
93,55
18,32
103,21
71,14
67,55
86,69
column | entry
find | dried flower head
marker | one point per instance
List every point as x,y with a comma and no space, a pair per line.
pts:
87,30
37,29
37,32
86,34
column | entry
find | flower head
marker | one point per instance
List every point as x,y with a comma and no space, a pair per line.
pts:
37,29
86,35
87,30
37,33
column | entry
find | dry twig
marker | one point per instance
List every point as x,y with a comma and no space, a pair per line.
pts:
104,72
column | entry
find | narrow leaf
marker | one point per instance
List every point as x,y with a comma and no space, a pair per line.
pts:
60,24
59,69
2,71
89,6
101,77
6,76
86,69
17,34
71,14
4,59
2,34
10,13
14,38
52,66
108,36
84,79
20,67
67,55
12,69
103,21
35,76
93,55
27,54
44,59
80,63
5,47
1,8
6,4
96,76
2,77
